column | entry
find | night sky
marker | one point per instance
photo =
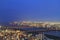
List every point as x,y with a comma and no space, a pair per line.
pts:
13,10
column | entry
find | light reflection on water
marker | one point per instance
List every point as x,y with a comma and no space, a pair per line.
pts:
55,33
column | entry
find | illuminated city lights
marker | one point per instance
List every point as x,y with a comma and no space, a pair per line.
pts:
18,33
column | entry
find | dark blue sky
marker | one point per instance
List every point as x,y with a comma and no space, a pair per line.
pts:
12,10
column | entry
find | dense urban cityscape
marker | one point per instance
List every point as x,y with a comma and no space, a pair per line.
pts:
27,30
29,19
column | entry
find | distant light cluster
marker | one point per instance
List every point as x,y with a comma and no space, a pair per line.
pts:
37,24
